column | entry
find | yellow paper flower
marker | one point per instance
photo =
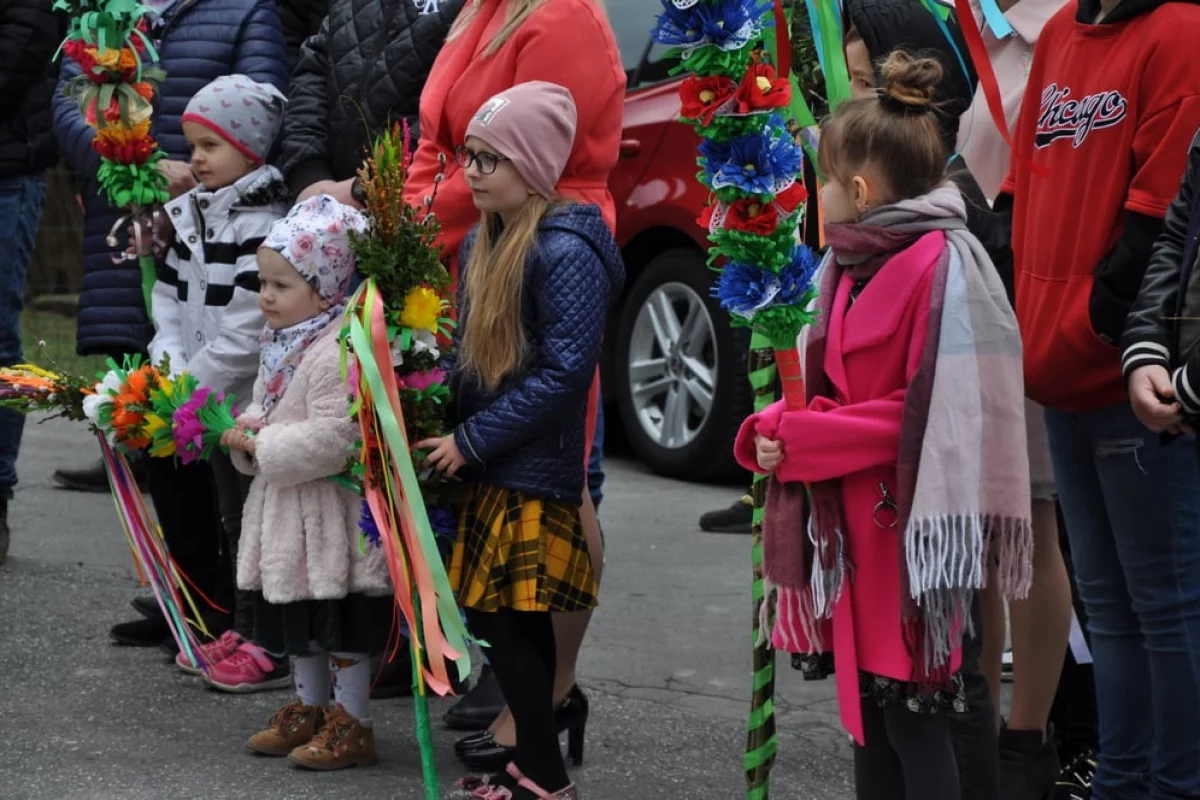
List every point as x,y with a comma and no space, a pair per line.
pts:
108,58
165,447
422,308
120,135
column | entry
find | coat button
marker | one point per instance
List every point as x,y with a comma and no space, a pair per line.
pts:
204,204
175,211
210,234
191,240
199,336
203,286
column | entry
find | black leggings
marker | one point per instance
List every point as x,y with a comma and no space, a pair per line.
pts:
907,756
522,655
232,488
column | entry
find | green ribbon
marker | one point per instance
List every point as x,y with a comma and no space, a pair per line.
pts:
447,607
828,27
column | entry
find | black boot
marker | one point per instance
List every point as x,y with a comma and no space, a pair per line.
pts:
141,632
479,707
94,478
3,530
737,518
1028,764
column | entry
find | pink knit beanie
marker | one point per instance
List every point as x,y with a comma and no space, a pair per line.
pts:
533,125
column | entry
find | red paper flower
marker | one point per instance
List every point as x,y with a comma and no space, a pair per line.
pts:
790,198
703,96
85,57
751,216
762,89
705,218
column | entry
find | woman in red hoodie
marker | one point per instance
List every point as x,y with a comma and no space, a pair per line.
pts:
493,46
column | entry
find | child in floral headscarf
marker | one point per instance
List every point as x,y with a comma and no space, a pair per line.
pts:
317,598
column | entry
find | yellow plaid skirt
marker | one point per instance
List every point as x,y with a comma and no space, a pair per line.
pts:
521,552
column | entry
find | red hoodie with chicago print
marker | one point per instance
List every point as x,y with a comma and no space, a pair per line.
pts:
1109,112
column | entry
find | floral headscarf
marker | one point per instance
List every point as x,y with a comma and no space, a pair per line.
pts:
314,239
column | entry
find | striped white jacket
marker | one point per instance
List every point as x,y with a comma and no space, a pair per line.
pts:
205,303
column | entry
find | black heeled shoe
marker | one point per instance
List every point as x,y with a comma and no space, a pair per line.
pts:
480,752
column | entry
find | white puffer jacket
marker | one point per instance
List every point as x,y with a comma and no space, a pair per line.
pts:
299,529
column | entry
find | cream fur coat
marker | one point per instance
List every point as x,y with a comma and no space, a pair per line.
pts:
299,529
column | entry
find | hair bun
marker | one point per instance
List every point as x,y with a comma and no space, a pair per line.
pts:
909,83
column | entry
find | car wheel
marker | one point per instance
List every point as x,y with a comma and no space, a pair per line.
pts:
680,371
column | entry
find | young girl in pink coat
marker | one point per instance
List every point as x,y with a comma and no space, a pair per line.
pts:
318,598
911,447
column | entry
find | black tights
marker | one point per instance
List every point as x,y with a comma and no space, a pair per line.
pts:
907,756
522,655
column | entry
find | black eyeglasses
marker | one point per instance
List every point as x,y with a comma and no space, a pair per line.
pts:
485,161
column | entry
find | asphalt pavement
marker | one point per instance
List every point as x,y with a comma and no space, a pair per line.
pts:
666,667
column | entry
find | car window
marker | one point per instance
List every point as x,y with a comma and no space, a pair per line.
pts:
632,21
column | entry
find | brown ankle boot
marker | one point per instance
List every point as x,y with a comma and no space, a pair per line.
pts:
291,726
343,742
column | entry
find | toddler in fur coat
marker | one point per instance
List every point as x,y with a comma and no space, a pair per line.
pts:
318,599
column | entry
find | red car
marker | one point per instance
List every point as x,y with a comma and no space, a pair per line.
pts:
675,370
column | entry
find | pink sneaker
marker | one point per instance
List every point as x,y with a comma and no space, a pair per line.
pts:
210,653
249,669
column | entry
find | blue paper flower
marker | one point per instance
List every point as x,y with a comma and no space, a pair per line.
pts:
444,522
727,24
796,277
744,289
755,163
366,524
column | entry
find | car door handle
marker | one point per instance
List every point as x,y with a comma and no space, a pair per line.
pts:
630,148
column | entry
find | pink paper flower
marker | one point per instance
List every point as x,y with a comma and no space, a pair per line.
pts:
187,428
420,381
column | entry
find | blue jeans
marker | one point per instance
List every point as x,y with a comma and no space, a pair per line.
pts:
595,467
1132,508
21,202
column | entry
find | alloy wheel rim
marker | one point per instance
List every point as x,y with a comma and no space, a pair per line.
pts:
672,367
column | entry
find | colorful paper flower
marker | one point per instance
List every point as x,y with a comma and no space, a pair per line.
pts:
366,524
796,278
422,309
791,198
728,25
420,381
751,216
762,89
757,163
744,289
188,430
703,97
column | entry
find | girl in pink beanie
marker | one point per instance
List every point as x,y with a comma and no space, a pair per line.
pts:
538,274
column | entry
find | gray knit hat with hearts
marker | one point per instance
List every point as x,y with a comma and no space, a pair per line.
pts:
240,110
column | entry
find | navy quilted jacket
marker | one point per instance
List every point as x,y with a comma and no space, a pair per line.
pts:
529,434
198,40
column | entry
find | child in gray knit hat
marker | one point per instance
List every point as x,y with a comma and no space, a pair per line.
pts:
205,307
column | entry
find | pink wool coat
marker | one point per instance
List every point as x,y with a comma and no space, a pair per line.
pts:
872,351
299,529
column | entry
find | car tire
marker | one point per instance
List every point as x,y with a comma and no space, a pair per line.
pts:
671,330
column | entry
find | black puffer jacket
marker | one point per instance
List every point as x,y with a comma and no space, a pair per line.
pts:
30,31
362,71
301,19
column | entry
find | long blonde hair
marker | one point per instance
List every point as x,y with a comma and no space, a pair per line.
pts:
493,335
518,12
